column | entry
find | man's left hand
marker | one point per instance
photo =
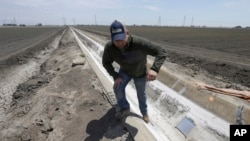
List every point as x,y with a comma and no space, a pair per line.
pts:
151,75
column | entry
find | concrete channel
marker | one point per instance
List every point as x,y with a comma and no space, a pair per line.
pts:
172,116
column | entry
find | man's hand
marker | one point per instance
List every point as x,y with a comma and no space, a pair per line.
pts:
117,82
151,75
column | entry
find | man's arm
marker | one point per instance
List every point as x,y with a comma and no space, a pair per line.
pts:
160,56
157,51
107,61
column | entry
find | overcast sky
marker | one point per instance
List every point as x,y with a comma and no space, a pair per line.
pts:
226,13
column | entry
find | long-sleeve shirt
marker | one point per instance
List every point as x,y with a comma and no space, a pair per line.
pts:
133,58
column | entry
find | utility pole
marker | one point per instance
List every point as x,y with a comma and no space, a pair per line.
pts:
74,22
95,20
192,22
64,21
184,20
159,21
14,20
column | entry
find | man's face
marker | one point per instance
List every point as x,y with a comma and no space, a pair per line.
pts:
121,43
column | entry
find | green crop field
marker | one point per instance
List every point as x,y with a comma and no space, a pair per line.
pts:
228,40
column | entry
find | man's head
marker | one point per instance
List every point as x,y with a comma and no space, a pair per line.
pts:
118,34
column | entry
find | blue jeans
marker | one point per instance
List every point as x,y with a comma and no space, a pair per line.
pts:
140,84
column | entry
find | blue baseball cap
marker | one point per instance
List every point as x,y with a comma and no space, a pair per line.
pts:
117,31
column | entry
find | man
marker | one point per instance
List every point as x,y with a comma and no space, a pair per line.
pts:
130,52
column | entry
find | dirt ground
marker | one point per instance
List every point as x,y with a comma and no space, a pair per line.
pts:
62,102
54,99
227,60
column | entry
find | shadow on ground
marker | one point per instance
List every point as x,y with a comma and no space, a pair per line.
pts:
110,128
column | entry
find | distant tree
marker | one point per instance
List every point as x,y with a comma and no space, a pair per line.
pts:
39,24
238,26
9,24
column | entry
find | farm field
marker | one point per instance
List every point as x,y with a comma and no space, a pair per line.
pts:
222,52
228,40
18,39
59,101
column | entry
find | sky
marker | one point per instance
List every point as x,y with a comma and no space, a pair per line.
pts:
211,13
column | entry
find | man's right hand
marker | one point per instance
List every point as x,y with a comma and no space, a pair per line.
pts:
117,82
